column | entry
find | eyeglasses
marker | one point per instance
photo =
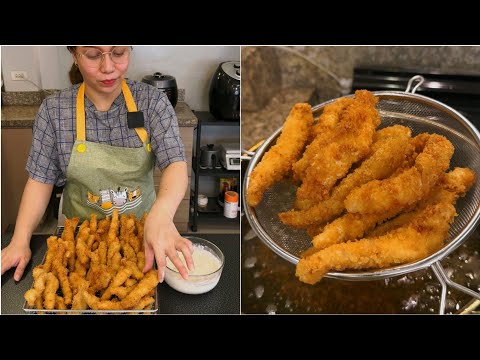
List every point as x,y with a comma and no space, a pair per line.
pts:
94,57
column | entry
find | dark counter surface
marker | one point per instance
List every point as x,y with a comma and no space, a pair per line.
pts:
223,299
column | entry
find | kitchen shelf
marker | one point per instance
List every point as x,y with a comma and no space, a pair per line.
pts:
207,118
212,212
211,208
216,172
219,217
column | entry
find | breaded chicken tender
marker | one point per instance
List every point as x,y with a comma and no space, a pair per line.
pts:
51,287
40,278
410,186
453,185
353,226
321,134
390,150
350,144
414,241
96,304
142,288
277,162
106,268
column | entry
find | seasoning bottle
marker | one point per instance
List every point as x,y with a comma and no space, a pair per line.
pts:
231,204
202,201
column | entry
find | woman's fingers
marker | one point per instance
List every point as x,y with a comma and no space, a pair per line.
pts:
172,254
20,269
148,258
186,247
161,262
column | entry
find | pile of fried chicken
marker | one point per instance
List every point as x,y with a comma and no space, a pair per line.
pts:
368,198
100,268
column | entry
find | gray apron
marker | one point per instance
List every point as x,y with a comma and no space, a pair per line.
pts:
101,178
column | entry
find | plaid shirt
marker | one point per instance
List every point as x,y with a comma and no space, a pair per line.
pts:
54,130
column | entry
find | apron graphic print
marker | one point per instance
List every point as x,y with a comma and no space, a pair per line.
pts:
108,200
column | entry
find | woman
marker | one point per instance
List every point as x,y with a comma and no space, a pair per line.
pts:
108,132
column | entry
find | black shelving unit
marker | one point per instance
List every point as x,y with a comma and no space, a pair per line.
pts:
213,210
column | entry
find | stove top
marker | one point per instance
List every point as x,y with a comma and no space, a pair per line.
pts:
459,91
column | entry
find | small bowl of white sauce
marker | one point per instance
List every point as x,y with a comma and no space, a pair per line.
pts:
208,260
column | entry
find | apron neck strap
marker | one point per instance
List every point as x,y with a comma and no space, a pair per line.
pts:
81,113
127,94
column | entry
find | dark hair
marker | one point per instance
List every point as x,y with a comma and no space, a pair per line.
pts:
74,74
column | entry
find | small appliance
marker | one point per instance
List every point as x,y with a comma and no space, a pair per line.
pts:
230,156
167,83
210,157
224,95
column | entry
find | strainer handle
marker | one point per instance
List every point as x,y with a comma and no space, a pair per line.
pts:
418,78
247,154
444,281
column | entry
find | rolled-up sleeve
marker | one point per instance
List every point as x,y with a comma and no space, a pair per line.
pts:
43,161
164,132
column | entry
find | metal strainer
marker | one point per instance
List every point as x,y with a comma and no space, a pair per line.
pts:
420,114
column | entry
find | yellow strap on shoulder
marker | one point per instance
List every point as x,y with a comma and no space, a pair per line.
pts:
81,113
142,133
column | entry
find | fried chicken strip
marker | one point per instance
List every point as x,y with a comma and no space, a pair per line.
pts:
277,162
145,303
322,133
414,241
379,196
60,303
390,150
117,281
49,294
40,278
353,226
142,288
350,144
81,247
453,185
52,249
69,241
61,271
96,304
350,226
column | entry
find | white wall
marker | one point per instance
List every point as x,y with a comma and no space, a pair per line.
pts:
22,58
192,66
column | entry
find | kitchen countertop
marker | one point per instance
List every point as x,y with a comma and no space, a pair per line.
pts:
23,116
223,299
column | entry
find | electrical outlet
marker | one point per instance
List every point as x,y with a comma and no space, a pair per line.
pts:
19,75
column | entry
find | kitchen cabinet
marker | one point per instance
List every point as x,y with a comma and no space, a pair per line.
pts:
212,210
16,144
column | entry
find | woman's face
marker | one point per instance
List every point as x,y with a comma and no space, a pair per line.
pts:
102,67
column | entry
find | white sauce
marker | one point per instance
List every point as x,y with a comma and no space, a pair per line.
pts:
202,279
205,262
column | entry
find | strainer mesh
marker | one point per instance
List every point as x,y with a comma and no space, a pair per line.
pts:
418,113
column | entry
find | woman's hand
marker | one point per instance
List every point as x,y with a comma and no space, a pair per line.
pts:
161,240
18,255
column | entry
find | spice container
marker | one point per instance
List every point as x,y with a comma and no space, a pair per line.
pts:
231,204
202,200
